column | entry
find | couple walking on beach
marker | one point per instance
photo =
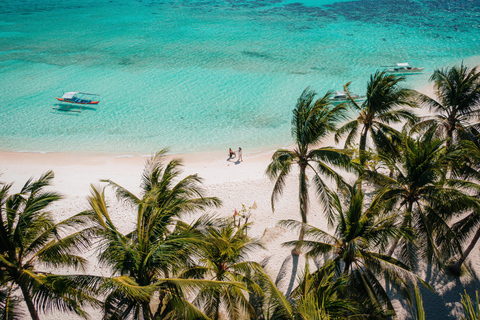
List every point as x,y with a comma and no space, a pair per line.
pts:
232,154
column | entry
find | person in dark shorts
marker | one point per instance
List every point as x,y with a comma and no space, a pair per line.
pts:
231,154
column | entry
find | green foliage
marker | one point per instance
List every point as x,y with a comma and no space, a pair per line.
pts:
312,121
470,309
10,305
418,187
29,238
384,105
149,258
457,108
466,157
416,305
361,235
223,256
323,295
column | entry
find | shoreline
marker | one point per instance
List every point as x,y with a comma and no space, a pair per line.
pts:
194,156
213,153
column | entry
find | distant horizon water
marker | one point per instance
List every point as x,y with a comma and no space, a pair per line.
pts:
204,75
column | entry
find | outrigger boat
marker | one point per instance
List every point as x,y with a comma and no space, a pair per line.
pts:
76,100
403,69
342,96
79,98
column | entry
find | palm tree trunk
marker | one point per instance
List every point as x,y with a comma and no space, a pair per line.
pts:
361,152
393,247
363,145
448,146
404,225
29,302
448,143
458,265
450,129
346,268
303,197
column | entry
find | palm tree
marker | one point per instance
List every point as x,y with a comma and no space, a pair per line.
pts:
382,107
149,258
468,154
420,190
320,295
323,295
361,235
223,256
458,107
312,121
29,238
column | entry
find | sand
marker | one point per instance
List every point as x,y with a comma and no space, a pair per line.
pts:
235,183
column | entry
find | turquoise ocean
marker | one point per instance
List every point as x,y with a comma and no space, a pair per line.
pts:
204,75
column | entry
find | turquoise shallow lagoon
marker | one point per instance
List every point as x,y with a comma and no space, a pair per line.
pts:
203,75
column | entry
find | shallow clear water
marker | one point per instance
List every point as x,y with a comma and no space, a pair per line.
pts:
203,75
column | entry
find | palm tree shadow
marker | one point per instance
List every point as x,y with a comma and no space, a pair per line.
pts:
444,303
293,260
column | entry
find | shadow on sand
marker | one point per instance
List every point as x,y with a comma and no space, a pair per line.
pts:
289,264
445,302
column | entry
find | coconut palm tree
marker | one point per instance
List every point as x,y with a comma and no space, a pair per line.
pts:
386,103
361,236
150,257
313,120
468,155
457,107
323,294
30,241
319,295
223,256
425,198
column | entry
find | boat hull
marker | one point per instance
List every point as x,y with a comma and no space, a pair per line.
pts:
406,72
77,101
339,100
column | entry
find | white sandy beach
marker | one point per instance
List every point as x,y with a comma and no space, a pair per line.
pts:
234,183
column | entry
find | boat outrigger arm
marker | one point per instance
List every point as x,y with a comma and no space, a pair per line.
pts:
79,98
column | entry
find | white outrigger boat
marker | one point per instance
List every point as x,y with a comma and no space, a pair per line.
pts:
77,100
403,69
342,96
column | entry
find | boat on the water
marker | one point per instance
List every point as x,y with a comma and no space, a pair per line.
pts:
403,69
342,96
79,98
